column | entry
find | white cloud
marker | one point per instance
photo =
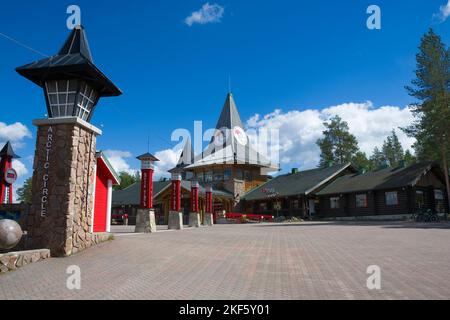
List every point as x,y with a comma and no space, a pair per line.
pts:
15,133
444,12
168,160
299,130
209,13
20,167
118,160
22,175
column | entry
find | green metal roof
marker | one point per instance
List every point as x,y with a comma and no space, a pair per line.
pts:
389,178
303,182
131,195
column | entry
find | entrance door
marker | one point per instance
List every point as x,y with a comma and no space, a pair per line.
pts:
312,207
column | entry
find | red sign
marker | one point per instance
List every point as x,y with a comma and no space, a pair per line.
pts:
10,176
175,205
194,199
147,189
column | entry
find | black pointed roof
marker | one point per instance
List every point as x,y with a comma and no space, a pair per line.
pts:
77,43
147,156
229,118
73,61
8,151
232,150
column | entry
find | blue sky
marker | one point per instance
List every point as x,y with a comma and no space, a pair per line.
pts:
297,56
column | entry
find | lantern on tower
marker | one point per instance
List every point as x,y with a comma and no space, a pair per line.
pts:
8,174
147,169
72,83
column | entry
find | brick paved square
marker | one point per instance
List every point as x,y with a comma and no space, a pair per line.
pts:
317,260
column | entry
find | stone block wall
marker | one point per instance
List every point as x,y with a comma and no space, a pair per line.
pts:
237,188
60,218
14,260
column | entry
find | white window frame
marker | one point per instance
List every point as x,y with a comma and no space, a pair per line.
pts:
386,198
335,203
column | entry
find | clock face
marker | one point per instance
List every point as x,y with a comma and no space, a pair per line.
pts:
240,136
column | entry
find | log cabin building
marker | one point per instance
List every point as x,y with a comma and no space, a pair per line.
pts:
293,194
394,192
343,192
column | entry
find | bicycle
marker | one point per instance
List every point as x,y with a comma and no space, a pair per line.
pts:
425,216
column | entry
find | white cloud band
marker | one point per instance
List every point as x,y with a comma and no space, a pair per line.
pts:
209,13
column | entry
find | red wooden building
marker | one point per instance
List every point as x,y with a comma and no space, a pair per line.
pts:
106,177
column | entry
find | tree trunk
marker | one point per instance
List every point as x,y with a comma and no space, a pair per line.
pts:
447,180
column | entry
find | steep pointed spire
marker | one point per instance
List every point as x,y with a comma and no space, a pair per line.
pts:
77,43
187,156
8,152
229,117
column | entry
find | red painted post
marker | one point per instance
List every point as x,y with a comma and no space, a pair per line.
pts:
10,193
5,165
175,202
7,174
147,188
209,200
147,170
194,197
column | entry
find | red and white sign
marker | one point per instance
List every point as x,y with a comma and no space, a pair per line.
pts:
10,176
175,200
194,197
209,200
240,136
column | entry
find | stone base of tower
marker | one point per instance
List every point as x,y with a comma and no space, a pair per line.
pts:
194,220
175,220
145,221
61,215
209,220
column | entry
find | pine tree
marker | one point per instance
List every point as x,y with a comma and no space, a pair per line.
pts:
377,159
338,146
361,162
127,180
393,150
24,193
431,88
409,158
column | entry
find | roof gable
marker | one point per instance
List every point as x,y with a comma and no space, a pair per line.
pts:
303,182
101,158
389,178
